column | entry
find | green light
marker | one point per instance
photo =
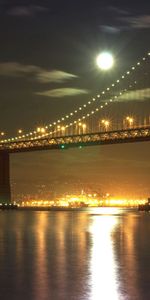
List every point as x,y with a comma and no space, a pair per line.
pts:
80,147
62,146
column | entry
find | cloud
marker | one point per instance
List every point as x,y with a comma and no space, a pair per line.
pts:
62,92
137,95
26,11
118,10
110,29
54,76
124,20
14,69
139,22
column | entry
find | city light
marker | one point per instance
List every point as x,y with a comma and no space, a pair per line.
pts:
84,200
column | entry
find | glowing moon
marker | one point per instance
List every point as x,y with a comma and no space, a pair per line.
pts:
105,61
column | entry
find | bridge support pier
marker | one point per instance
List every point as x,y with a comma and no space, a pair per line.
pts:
5,193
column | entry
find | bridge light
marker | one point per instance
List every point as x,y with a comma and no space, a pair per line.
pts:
38,129
105,123
2,133
130,120
20,131
43,130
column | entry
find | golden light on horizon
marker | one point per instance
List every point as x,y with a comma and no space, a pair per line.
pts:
87,200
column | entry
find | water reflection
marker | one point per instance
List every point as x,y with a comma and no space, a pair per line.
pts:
98,254
103,265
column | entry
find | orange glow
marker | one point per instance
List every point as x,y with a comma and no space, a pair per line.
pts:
83,200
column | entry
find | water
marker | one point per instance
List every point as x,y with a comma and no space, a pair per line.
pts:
96,254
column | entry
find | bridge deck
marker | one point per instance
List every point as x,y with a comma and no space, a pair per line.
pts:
88,139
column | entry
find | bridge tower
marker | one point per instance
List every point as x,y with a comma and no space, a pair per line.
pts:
5,193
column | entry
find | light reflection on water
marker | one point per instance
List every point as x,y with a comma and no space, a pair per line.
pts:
103,265
96,254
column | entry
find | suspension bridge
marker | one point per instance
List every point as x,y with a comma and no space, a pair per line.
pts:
87,125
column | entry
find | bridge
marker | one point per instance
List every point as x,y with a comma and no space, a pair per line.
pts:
87,124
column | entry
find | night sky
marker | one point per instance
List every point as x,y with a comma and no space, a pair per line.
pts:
47,69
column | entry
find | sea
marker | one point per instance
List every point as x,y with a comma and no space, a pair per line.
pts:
88,254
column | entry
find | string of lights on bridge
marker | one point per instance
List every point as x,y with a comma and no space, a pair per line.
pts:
41,131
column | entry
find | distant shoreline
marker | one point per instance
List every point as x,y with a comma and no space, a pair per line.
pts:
69,209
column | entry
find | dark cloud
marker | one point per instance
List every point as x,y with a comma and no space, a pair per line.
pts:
137,22
15,69
110,29
118,10
26,11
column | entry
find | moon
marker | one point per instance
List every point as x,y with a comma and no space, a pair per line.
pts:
105,61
